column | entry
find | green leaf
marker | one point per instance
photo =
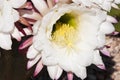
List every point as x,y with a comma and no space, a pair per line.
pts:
114,12
117,26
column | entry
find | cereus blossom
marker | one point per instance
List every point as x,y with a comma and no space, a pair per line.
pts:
104,4
69,39
8,16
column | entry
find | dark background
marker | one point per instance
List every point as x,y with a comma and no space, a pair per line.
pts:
13,67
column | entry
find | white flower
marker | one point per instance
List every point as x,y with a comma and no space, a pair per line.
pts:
104,4
8,16
68,39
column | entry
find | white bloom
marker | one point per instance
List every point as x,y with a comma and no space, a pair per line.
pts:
8,15
104,4
68,39
43,6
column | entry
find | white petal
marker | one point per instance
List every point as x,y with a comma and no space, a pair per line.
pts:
54,71
5,41
15,15
117,1
77,1
41,6
1,3
80,72
15,34
97,1
106,5
17,3
86,2
49,60
107,28
7,18
111,19
101,40
97,60
36,26
33,61
1,23
115,6
40,40
85,58
32,53
27,31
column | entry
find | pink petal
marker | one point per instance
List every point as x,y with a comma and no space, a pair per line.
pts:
50,3
105,51
26,43
24,22
55,1
70,75
115,33
101,67
28,5
38,68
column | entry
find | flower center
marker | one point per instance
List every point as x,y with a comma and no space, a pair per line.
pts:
64,31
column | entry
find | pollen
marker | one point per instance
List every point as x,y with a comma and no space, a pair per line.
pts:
64,35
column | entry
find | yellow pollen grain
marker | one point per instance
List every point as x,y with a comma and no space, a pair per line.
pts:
64,35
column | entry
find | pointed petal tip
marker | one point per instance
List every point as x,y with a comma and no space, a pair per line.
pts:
39,67
26,43
115,6
115,33
35,74
112,19
32,53
70,75
105,52
28,65
101,66
18,39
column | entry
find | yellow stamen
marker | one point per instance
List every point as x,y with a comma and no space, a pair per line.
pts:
64,35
